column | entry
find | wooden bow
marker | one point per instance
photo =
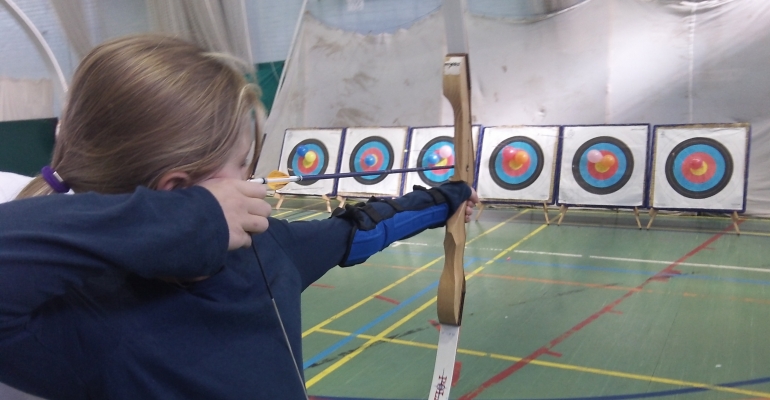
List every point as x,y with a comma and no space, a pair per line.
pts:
451,288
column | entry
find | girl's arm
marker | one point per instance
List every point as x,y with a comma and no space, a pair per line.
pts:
50,244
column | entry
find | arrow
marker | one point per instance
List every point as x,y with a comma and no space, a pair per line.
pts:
276,180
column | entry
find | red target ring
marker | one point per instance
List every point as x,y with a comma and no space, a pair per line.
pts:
709,167
511,171
446,161
377,154
594,171
307,170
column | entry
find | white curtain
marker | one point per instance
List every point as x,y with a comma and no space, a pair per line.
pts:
72,16
25,99
216,25
602,62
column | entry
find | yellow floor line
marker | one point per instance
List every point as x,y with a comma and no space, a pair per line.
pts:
291,210
308,216
403,279
548,364
411,315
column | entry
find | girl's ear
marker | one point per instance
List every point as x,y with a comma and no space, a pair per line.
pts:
174,180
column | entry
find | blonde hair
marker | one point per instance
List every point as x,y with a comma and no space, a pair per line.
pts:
142,106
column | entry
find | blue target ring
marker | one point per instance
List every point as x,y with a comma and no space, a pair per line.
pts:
716,159
382,152
605,182
296,163
599,182
435,177
509,179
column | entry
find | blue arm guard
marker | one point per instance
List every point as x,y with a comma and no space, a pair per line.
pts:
378,223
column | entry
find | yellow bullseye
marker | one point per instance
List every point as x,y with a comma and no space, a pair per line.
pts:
514,165
602,167
700,171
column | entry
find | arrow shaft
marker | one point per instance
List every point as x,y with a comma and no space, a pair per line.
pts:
297,178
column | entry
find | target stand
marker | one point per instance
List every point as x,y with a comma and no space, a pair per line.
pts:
517,165
310,151
701,167
604,166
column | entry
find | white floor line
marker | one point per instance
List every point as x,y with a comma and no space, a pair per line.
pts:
399,243
438,244
548,254
683,263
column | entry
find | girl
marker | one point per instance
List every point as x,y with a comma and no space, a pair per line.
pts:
125,292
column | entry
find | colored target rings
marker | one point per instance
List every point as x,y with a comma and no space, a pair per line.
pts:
516,163
699,168
308,157
371,154
439,151
602,165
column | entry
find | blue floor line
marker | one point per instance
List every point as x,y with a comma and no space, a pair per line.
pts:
323,354
609,397
329,350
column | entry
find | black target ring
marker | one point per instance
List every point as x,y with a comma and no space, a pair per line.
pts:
497,169
293,162
435,177
712,148
377,146
608,143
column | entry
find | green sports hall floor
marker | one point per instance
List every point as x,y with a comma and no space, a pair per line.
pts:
592,309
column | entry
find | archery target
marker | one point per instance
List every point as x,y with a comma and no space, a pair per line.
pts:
604,165
310,152
372,149
429,147
517,164
602,177
700,167
301,163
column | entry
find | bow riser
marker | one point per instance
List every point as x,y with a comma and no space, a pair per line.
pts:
451,291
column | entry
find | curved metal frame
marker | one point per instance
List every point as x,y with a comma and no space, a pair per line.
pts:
39,41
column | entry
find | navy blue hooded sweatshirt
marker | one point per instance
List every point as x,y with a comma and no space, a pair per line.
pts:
83,314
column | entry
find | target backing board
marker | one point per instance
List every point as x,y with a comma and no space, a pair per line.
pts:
700,167
429,147
604,165
372,149
310,152
517,164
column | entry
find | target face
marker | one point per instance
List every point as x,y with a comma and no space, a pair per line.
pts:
432,146
609,172
699,168
439,151
516,163
308,157
604,165
371,154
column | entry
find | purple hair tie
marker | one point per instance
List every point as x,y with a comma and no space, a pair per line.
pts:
54,180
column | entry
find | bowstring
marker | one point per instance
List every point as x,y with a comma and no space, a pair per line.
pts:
280,320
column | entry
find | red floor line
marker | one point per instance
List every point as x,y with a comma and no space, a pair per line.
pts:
321,285
388,299
662,274
553,353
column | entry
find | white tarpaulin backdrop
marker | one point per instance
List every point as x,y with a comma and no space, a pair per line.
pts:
602,62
